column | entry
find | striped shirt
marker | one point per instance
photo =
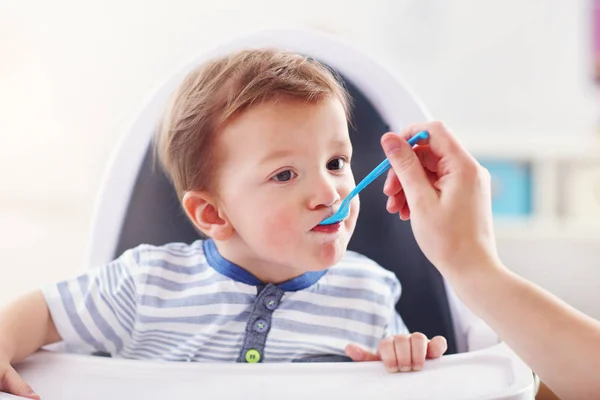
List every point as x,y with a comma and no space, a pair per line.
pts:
185,302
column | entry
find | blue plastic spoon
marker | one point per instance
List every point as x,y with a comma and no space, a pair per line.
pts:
344,210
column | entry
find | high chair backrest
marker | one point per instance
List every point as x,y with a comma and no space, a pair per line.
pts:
138,205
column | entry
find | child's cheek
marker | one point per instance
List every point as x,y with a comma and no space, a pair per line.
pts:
278,228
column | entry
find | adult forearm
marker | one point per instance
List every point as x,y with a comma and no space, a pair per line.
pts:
561,344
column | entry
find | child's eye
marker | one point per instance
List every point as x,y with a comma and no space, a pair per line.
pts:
336,164
284,176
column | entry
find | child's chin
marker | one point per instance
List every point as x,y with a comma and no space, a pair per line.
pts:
329,256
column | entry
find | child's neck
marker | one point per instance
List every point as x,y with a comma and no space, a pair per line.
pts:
263,270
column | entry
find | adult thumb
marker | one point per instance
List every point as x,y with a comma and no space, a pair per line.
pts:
408,169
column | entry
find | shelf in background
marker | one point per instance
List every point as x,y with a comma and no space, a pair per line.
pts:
546,229
523,146
536,179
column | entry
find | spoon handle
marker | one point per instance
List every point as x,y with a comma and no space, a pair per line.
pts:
381,168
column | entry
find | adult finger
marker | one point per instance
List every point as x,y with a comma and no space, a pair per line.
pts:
408,169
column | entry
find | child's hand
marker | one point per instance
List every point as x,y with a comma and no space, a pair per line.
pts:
11,382
401,352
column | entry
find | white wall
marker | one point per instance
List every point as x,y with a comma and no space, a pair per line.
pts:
73,73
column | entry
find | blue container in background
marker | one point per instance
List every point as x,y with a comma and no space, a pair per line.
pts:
512,190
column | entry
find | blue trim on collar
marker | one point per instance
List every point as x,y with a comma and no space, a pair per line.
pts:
239,274
226,267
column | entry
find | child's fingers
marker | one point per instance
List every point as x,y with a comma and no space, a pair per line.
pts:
358,353
12,383
418,344
437,347
403,352
388,354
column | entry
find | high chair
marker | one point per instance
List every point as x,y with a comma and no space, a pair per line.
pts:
138,205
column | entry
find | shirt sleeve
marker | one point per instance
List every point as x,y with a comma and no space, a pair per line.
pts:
395,324
96,310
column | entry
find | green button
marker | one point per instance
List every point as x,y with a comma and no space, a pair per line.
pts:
252,356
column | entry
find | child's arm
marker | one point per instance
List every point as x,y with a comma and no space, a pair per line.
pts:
25,326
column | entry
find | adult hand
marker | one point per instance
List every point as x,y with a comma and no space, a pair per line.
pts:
446,194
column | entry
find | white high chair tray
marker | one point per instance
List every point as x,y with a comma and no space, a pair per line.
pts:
485,374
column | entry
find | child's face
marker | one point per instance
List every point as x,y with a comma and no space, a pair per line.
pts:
286,168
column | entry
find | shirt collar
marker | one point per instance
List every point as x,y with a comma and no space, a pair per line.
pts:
239,274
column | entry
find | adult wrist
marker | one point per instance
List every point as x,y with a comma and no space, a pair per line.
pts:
474,277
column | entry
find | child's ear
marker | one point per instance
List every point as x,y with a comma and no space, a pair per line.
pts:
204,212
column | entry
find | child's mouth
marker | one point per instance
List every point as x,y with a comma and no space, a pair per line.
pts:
327,228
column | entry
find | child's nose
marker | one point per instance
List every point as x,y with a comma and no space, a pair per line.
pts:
324,193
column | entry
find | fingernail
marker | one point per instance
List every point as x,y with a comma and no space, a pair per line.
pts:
391,144
405,369
388,203
417,367
391,370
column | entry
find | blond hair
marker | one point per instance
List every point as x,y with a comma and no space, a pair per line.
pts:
220,89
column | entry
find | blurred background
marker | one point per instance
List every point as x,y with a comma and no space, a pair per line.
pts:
516,80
